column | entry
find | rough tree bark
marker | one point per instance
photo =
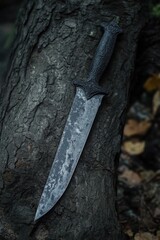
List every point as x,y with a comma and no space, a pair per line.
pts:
54,45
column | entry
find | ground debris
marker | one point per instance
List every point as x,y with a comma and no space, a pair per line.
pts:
145,236
139,168
133,147
134,127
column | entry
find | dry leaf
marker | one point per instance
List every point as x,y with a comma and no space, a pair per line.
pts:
134,127
156,102
145,236
132,177
152,83
129,232
146,175
134,147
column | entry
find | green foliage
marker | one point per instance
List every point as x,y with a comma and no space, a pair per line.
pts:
156,10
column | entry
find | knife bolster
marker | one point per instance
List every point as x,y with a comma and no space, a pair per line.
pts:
91,88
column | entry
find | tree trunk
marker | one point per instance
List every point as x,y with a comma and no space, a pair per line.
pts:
55,44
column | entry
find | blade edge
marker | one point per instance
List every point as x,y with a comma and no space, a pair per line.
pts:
86,105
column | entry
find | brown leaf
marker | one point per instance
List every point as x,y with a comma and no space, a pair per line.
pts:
131,177
134,127
156,102
129,232
152,83
147,175
145,236
133,147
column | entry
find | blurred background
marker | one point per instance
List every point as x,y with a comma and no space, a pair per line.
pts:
139,168
8,14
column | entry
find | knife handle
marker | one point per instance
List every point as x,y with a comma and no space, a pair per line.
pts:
101,58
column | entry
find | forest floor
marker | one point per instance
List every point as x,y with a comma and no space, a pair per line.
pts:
139,168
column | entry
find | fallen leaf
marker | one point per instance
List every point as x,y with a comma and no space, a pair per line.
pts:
133,147
129,232
146,175
134,127
132,177
156,102
145,236
152,83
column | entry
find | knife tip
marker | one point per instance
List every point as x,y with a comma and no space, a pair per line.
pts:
37,216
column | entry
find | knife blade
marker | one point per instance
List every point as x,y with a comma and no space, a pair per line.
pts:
85,105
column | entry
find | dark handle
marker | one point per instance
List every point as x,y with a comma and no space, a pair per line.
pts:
104,50
102,56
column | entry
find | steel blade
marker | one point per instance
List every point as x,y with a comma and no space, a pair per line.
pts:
75,134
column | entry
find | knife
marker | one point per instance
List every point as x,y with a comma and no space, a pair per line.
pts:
88,97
